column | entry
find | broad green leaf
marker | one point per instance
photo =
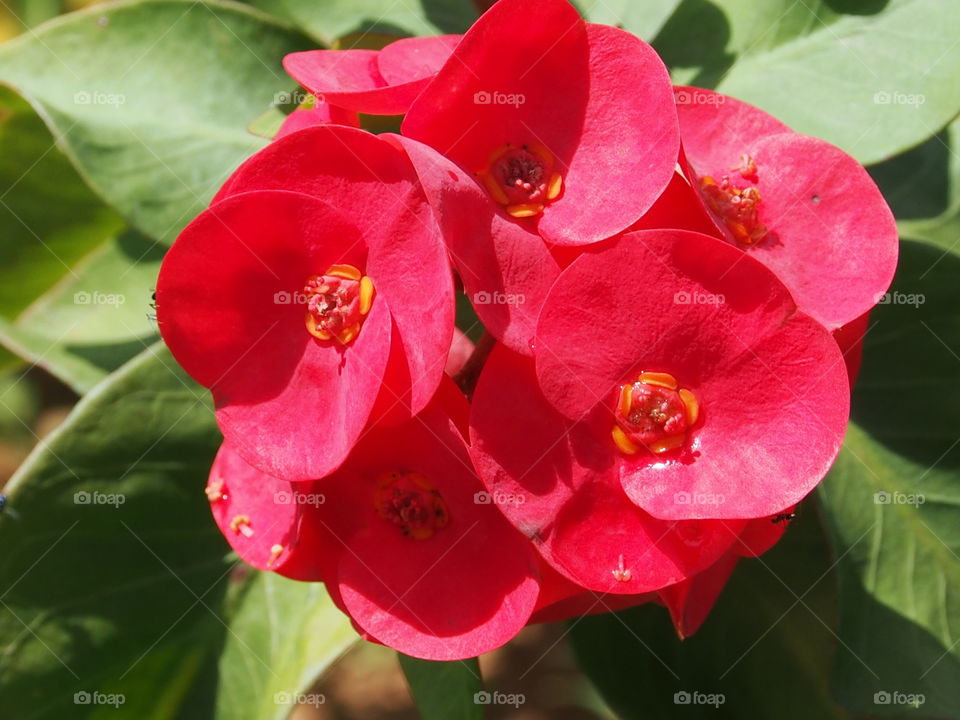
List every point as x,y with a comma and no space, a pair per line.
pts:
874,77
893,499
764,652
642,19
923,188
50,218
283,636
96,318
446,690
112,571
151,99
328,20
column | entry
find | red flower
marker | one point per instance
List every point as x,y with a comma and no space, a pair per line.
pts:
299,313
376,82
574,508
406,541
680,391
801,206
569,133
709,378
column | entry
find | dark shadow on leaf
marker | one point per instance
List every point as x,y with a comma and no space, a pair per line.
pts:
915,183
907,394
696,36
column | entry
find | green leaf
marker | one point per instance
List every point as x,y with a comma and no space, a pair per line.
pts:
874,77
923,188
112,571
151,99
284,635
330,20
764,652
445,690
95,319
893,499
49,216
644,20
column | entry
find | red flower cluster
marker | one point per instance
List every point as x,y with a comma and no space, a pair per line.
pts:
671,281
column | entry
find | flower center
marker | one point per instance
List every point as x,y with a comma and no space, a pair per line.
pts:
409,501
337,303
522,178
653,413
736,207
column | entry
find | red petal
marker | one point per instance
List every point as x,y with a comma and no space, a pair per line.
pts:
372,182
770,382
415,58
322,114
556,482
596,97
465,590
258,514
352,79
850,339
292,406
505,268
690,602
628,142
834,241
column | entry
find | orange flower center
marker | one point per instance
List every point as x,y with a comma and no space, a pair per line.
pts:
337,303
409,501
653,413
